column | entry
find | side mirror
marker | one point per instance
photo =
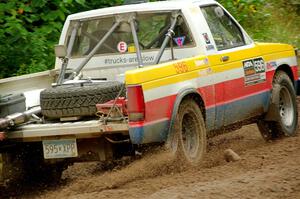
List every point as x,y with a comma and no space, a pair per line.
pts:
60,51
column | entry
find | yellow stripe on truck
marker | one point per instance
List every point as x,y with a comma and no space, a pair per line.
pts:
170,80
234,56
164,70
182,70
271,48
280,55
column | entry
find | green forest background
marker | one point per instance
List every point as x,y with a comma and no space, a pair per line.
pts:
30,28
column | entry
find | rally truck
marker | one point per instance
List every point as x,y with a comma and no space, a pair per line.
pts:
172,73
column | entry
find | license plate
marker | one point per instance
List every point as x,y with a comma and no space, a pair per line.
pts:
66,148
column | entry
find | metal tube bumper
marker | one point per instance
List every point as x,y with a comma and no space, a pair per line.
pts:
82,129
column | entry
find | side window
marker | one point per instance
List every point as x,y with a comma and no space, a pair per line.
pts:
152,25
225,31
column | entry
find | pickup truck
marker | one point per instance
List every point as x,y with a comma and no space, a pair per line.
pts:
167,72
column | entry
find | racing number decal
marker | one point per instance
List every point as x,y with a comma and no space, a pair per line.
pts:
181,67
255,71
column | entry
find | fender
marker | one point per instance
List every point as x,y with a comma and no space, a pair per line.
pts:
178,100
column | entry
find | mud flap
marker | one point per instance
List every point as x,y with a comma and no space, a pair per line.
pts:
10,169
273,113
297,86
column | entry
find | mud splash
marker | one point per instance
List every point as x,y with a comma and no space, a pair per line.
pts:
154,164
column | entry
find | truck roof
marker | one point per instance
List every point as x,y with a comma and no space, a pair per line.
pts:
151,6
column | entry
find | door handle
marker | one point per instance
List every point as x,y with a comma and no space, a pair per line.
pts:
224,58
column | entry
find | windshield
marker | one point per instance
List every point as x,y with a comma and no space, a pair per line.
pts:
150,28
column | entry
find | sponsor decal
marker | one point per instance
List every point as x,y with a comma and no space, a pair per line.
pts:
206,38
127,60
179,41
181,67
205,72
131,48
206,60
122,47
271,65
255,71
210,47
201,62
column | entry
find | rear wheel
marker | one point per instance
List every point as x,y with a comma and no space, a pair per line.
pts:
187,141
284,111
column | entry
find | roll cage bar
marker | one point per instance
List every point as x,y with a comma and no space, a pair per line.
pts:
130,19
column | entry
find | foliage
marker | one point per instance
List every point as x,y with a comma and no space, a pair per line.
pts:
245,11
30,28
284,23
268,20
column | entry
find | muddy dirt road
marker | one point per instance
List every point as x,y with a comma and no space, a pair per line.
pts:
266,170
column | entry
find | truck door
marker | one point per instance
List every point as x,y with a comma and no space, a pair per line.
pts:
240,70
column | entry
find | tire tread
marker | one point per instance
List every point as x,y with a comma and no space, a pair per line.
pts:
77,100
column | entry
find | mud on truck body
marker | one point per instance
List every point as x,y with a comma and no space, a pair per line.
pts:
172,72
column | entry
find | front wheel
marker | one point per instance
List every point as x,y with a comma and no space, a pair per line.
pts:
285,115
187,140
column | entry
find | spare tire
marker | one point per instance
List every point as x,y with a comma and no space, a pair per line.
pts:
78,99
